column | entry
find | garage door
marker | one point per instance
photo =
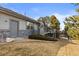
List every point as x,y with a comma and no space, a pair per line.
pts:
13,28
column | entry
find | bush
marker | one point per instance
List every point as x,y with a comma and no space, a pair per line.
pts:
41,37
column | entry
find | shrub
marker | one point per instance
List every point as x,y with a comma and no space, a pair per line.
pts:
41,37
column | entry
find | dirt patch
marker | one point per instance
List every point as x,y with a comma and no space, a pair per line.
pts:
39,48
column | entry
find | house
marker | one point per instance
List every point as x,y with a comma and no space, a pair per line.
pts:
14,24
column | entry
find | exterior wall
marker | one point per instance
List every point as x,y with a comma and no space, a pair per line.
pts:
4,20
5,24
42,31
35,29
22,25
23,31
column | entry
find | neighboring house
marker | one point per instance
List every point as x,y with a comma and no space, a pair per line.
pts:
15,24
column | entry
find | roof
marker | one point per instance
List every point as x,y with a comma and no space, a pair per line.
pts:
17,15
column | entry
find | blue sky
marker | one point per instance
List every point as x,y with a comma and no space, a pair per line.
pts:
36,10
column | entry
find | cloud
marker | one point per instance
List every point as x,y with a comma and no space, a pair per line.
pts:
61,19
